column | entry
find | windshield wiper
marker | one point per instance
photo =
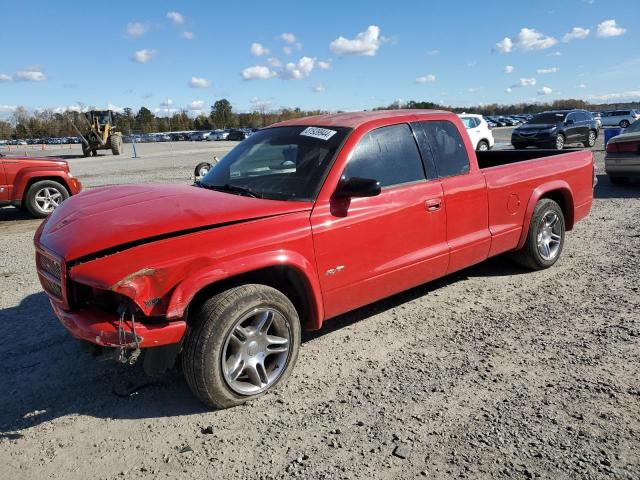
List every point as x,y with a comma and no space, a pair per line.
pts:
227,187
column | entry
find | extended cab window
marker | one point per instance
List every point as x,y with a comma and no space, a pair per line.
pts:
447,148
389,155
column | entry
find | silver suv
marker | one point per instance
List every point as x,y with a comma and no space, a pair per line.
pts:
619,118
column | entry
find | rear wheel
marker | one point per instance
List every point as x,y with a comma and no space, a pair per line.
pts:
244,341
559,143
44,196
619,180
624,123
591,139
545,238
483,146
86,150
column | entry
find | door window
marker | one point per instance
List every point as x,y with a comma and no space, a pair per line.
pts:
389,155
447,148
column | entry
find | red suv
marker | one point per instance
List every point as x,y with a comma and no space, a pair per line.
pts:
37,185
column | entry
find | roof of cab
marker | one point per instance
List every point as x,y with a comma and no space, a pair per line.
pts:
356,119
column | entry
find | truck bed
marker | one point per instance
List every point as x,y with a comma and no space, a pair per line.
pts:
494,158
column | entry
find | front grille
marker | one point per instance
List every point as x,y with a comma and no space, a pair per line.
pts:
49,265
51,287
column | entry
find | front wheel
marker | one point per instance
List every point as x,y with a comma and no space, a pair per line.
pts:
559,143
43,197
244,341
591,139
624,124
116,144
545,238
202,169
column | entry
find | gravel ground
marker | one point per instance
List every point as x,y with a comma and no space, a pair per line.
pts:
493,372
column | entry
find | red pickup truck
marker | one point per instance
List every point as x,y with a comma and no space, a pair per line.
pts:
37,185
302,221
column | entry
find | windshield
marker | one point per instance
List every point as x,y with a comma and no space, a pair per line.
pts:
634,127
280,163
547,118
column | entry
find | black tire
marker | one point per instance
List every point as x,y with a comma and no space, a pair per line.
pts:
56,190
624,123
483,146
559,141
619,180
86,151
591,139
529,255
202,169
116,144
213,323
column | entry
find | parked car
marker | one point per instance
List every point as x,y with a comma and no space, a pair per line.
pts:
237,134
301,223
619,118
37,185
199,136
478,130
218,135
496,121
555,129
598,119
622,157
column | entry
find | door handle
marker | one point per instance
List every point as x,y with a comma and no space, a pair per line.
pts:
433,204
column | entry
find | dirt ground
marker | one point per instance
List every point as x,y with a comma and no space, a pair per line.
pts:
493,372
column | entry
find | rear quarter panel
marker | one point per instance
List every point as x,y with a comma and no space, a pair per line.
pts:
514,189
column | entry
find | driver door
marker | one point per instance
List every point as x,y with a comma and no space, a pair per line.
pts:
372,247
4,187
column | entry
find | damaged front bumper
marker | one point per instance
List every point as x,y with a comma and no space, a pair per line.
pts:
107,330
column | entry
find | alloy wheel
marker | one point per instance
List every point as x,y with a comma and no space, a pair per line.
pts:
549,236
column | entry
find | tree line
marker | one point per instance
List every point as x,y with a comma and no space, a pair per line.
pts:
24,124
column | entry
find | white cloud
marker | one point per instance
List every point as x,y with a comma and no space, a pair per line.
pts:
257,72
366,43
5,78
7,108
258,50
115,108
508,69
430,78
30,75
554,54
472,90
545,91
530,39
143,56
542,71
629,95
287,50
472,63
524,82
176,18
199,82
582,85
196,105
609,28
433,52
137,29
274,62
576,33
319,88
324,65
299,70
188,35
508,90
288,37
505,45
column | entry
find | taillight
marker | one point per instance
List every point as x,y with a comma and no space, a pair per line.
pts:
624,147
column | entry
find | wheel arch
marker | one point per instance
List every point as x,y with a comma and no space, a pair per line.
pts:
296,281
31,180
560,192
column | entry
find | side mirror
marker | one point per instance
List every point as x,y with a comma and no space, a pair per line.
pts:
357,187
569,122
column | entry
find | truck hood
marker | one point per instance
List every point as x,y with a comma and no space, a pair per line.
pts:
126,215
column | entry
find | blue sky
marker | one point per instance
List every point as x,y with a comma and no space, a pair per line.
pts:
327,55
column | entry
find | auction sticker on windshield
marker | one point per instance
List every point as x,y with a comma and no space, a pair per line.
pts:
317,132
